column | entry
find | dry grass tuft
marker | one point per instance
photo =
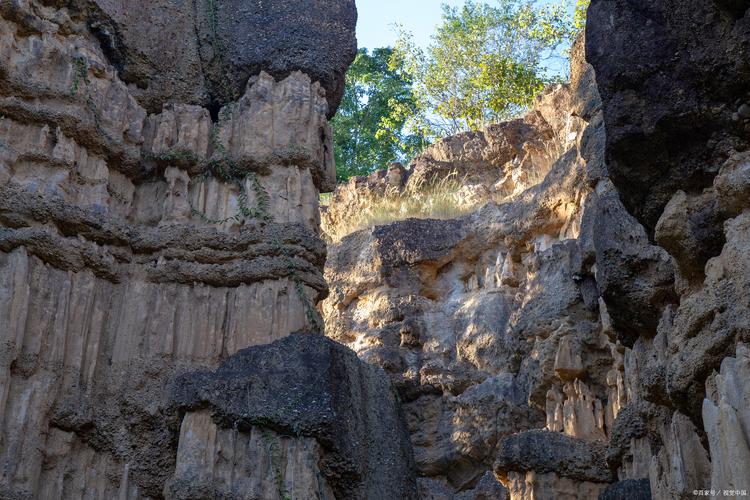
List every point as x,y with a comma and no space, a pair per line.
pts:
442,199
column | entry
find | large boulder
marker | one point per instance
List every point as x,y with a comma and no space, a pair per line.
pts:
543,451
204,52
307,386
629,489
673,77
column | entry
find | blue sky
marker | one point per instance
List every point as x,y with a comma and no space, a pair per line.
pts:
374,28
420,17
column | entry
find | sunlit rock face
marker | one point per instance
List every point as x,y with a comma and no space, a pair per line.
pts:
597,303
496,164
493,324
151,226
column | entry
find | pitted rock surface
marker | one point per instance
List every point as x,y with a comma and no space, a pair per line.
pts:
308,385
544,451
673,76
630,489
204,52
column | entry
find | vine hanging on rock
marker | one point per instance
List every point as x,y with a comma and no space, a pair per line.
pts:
224,168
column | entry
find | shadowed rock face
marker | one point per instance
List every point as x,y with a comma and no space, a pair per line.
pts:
674,77
204,51
312,36
544,451
630,489
635,278
309,386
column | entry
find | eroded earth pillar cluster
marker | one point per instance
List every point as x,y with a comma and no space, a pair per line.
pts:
583,333
160,166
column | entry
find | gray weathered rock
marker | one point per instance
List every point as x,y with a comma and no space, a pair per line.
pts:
204,52
581,327
545,451
672,84
636,279
306,385
669,73
630,489
159,213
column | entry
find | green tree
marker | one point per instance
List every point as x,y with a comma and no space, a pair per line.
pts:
579,16
369,127
485,63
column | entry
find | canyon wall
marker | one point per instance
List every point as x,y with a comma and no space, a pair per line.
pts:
584,333
160,170
675,85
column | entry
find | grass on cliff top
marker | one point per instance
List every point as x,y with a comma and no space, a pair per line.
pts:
443,199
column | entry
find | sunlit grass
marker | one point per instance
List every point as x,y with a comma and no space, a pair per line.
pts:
441,199
325,199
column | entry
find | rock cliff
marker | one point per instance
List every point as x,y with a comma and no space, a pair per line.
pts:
581,331
583,334
159,178
491,325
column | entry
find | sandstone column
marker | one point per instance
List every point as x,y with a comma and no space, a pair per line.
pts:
160,166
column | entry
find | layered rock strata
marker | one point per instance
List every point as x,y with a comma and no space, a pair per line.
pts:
493,324
582,334
152,226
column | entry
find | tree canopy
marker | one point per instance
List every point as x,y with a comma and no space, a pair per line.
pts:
486,63
369,128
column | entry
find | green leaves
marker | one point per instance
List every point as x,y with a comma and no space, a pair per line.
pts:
579,17
485,63
368,130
